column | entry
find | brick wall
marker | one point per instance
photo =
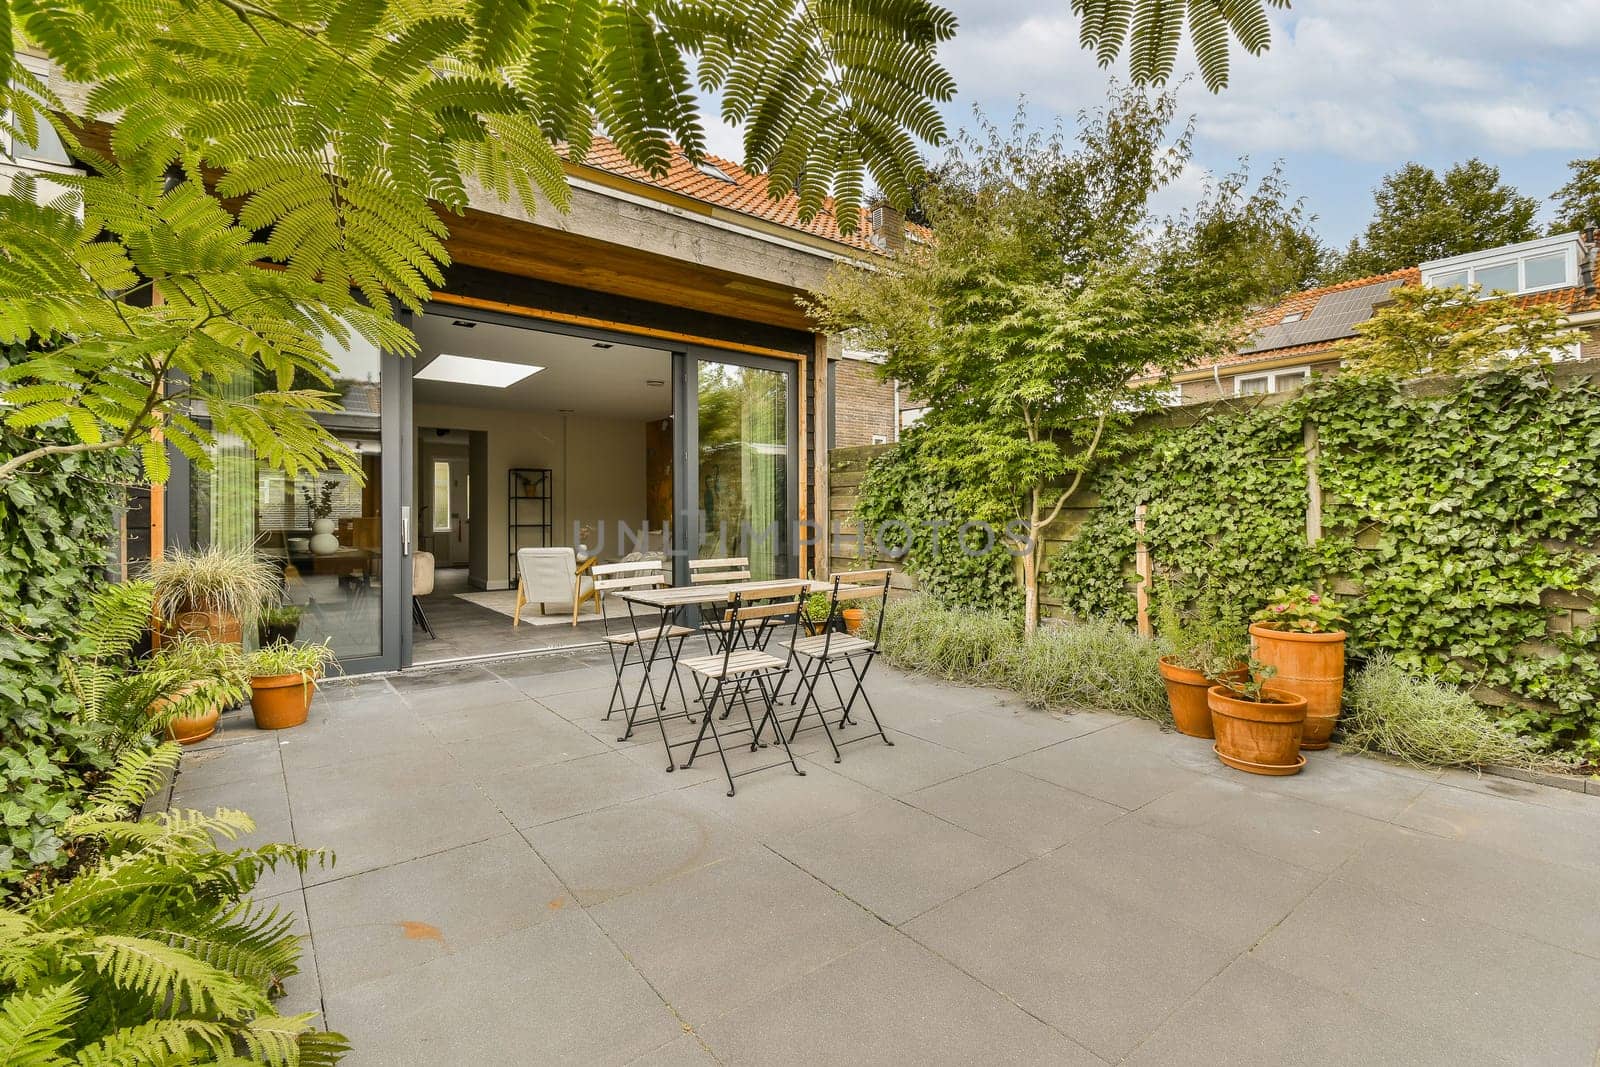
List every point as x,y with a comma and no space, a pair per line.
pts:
863,404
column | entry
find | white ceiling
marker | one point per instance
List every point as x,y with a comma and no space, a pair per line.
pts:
576,375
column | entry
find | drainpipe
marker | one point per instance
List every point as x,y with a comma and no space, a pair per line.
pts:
1216,377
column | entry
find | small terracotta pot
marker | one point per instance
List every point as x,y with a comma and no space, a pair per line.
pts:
852,619
280,701
187,729
1258,737
1186,694
218,627
1309,665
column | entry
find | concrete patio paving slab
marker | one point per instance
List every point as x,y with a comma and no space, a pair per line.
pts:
1006,805
616,850
1482,884
207,767
445,691
533,795
777,803
1584,803
408,914
1231,809
1340,779
685,1051
1429,966
371,779
1119,765
558,992
1215,888
989,737
523,744
410,823
1104,972
1532,830
718,937
888,1002
335,739
264,797
906,766
495,720
1252,1015
895,860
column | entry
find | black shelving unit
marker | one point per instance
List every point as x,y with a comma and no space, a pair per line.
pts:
530,512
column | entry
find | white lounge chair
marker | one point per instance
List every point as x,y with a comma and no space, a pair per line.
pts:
552,576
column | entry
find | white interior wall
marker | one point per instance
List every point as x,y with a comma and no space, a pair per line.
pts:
598,464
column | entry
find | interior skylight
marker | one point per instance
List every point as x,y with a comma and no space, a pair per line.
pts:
466,370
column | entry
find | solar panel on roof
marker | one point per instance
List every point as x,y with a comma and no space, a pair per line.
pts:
1334,316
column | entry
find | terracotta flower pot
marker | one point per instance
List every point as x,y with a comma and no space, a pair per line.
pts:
218,627
1258,737
1308,665
280,701
852,619
1186,694
186,729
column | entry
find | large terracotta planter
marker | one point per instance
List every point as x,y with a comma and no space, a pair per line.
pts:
1186,694
1309,665
1261,737
218,627
280,701
187,729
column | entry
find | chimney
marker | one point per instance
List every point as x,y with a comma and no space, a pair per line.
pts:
887,224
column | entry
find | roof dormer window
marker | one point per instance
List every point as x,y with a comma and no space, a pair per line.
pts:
1530,267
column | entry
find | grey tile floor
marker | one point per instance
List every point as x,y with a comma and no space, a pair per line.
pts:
514,885
463,629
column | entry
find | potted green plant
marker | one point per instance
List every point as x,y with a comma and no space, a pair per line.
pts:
281,622
1298,633
817,607
213,592
1258,728
199,679
283,679
1201,641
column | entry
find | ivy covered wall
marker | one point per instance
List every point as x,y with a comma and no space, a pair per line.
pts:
1460,521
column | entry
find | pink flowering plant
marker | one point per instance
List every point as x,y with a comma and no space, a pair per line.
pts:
1300,610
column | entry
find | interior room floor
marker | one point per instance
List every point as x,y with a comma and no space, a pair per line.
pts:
465,629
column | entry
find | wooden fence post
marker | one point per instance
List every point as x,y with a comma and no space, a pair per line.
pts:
1141,564
1313,448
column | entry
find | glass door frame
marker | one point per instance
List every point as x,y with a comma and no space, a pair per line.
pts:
686,441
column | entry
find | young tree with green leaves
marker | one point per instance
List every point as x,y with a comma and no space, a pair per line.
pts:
1047,292
1578,201
1420,215
1423,331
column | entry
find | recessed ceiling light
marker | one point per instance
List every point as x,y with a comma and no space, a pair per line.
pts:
464,370
464,324
601,344
654,381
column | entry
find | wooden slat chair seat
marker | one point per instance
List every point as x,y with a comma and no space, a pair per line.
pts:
637,644
740,665
829,653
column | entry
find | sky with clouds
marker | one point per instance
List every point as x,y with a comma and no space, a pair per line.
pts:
1349,90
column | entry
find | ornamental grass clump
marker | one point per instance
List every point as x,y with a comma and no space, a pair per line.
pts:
1097,664
965,646
1400,713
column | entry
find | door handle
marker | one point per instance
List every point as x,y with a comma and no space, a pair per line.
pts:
405,529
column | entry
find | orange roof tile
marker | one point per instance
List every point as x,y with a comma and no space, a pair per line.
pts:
745,193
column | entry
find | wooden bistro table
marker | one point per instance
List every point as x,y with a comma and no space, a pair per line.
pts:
672,602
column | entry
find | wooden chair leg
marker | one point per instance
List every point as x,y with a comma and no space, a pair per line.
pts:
516,613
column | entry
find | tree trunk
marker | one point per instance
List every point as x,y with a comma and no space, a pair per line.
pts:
1030,569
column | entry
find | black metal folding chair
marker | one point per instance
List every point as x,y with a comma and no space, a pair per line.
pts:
642,640
731,673
829,652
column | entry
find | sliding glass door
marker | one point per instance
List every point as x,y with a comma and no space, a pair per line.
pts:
745,443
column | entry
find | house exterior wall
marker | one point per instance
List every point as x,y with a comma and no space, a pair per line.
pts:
863,405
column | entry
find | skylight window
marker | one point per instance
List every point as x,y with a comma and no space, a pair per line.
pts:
1293,316
465,370
1530,267
711,170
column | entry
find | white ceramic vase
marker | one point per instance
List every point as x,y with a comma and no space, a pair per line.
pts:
323,541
